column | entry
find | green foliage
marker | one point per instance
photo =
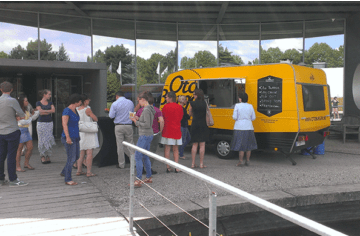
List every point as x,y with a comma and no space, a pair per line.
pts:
62,55
201,59
113,86
319,52
17,52
226,57
3,55
46,53
324,53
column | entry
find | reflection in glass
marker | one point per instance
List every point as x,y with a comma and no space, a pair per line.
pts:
65,38
282,41
16,41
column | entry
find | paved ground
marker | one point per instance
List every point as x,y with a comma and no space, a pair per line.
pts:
102,200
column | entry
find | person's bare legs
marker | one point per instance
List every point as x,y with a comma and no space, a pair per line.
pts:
167,154
18,157
28,152
202,154
89,159
248,154
176,154
241,157
80,161
193,154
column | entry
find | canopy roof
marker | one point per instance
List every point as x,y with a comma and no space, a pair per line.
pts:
197,20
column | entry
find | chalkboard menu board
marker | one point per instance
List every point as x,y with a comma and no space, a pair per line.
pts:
269,96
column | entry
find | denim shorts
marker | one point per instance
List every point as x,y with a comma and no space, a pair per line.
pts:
25,135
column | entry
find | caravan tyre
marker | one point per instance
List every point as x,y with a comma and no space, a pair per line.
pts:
222,149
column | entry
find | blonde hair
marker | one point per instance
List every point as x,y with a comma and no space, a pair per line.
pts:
182,99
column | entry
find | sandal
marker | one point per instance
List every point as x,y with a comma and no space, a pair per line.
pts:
80,173
177,171
137,184
21,170
194,166
74,167
184,158
71,183
247,163
148,180
241,164
90,175
29,167
202,166
168,170
43,160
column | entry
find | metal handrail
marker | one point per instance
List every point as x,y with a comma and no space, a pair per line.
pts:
268,206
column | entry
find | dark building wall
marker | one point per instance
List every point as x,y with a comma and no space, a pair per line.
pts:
95,85
352,60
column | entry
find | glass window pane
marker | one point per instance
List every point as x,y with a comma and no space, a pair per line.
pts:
65,38
239,44
282,42
17,35
324,48
150,55
110,48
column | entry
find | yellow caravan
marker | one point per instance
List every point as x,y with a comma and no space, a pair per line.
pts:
291,103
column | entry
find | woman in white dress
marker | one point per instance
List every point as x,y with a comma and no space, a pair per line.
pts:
88,141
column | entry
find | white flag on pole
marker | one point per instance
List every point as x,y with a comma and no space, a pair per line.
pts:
158,69
110,68
119,68
166,69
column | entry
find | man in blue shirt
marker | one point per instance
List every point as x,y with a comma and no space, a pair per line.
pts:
9,134
120,111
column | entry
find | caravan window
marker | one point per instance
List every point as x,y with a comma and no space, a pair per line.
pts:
313,97
222,93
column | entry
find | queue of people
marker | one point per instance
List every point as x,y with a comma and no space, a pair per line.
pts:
168,127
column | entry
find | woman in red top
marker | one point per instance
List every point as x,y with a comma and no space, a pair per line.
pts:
171,134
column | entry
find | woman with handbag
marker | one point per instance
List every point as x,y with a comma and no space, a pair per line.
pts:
88,140
199,128
25,138
70,136
243,139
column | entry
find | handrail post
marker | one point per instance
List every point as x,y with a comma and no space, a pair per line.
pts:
212,214
131,207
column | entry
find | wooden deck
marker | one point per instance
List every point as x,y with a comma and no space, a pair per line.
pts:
49,207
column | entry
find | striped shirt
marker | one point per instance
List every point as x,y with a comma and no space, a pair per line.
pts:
120,111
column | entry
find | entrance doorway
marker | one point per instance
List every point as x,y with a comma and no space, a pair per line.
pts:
62,87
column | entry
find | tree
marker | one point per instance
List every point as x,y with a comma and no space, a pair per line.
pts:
201,59
322,52
294,55
3,55
113,86
112,56
62,55
272,55
17,52
237,59
46,53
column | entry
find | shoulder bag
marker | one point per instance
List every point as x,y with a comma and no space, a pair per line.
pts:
209,118
88,127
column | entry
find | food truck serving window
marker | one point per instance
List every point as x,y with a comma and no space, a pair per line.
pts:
222,93
313,97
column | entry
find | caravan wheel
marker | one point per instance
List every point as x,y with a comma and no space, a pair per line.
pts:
223,149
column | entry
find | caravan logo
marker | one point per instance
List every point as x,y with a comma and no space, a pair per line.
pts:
312,78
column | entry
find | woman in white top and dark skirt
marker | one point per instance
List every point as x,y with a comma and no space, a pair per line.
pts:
243,139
